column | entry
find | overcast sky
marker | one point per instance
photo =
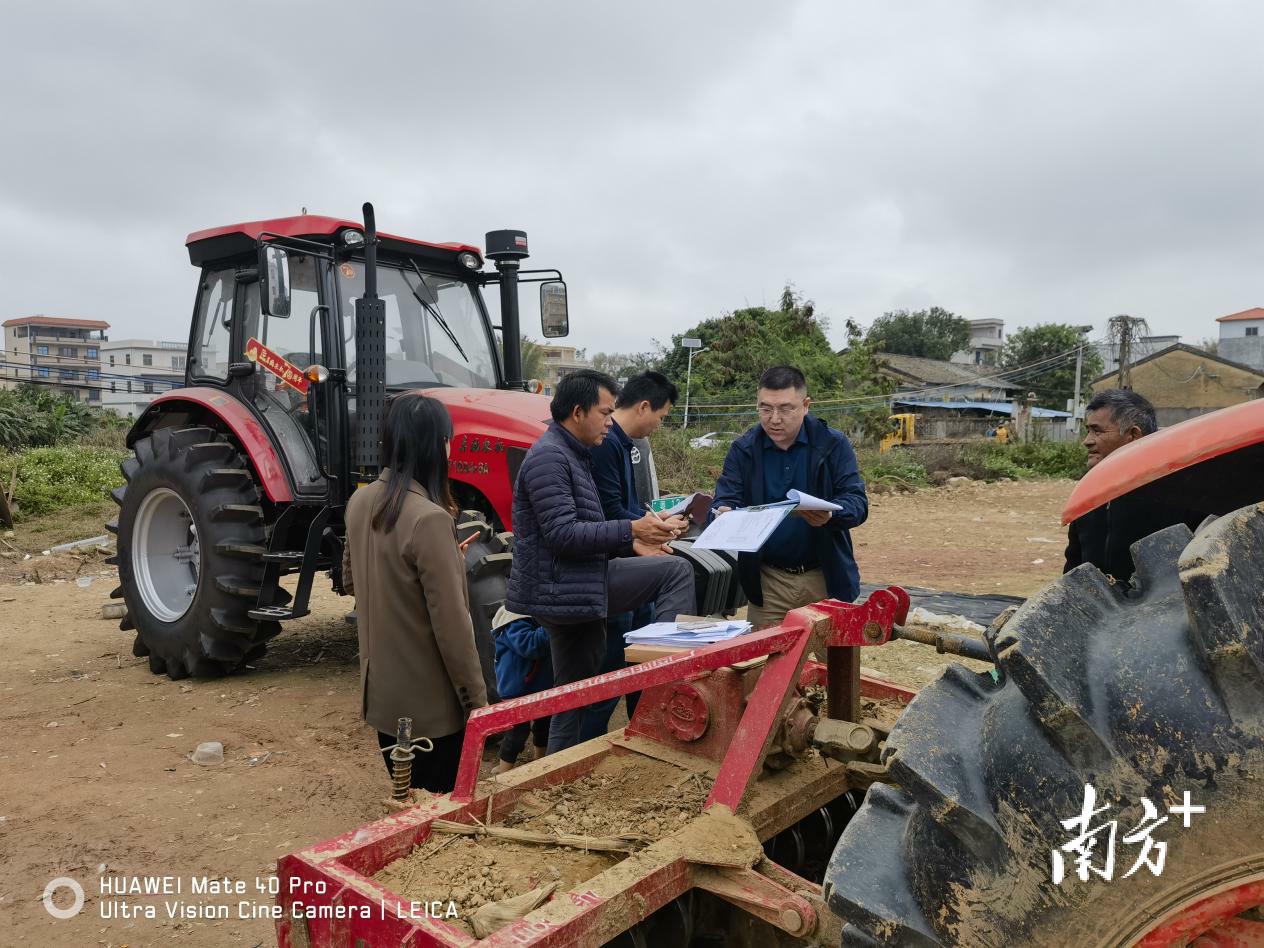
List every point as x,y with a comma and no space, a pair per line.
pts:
1034,162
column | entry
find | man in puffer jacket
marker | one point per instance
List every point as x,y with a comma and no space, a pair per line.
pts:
523,667
562,574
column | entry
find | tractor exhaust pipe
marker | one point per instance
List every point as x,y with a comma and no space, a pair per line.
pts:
506,249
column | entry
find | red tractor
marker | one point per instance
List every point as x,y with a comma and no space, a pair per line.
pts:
302,328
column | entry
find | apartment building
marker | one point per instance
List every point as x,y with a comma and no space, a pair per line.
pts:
135,371
61,353
559,361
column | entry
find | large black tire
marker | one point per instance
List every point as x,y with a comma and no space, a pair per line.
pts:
1147,691
206,473
488,560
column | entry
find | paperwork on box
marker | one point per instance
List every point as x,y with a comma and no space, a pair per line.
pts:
687,634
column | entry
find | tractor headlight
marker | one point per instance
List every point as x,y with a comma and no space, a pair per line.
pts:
469,260
352,238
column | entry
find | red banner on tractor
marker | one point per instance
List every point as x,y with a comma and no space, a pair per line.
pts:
282,368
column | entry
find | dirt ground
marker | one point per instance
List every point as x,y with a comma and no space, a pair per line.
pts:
95,777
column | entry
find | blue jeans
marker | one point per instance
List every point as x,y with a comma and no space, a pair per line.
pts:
596,719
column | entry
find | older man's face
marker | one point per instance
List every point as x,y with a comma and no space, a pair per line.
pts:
1104,435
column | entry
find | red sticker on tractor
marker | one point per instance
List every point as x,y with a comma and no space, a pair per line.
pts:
286,371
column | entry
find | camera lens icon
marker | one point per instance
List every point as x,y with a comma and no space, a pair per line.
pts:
75,907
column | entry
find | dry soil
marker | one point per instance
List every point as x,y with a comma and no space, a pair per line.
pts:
95,776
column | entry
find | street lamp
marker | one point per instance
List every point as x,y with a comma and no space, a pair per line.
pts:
695,347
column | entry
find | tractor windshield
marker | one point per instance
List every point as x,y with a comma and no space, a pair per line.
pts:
436,330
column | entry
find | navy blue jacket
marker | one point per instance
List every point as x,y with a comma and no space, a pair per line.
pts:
562,538
523,662
612,470
834,475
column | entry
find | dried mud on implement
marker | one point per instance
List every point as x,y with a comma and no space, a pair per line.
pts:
751,727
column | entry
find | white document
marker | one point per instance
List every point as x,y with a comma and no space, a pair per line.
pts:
808,502
744,530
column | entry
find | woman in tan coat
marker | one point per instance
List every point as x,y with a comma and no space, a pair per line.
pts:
417,652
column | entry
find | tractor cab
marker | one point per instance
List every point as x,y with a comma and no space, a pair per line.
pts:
303,327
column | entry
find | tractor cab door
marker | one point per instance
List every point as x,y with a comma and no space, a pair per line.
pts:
280,349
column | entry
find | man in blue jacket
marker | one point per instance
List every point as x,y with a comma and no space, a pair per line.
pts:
563,574
639,411
809,557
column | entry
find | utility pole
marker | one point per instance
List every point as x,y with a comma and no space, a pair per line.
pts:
1123,329
695,347
1074,407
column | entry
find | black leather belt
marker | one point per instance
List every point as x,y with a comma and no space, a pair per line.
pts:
793,570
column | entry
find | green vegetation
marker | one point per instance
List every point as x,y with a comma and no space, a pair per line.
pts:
54,478
933,333
682,469
34,417
1054,384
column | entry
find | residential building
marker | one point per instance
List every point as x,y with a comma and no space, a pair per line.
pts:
1184,381
1242,337
943,381
61,353
560,361
135,371
987,339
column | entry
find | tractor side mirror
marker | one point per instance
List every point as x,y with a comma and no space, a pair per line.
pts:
554,321
275,293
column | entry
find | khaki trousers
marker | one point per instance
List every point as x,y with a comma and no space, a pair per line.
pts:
785,591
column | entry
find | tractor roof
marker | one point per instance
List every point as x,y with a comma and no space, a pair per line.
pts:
1210,463
219,243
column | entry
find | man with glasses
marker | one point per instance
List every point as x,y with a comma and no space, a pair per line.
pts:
809,557
1104,536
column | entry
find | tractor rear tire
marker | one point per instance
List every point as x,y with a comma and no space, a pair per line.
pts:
1149,691
191,534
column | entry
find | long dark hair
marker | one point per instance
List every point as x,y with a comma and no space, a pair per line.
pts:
414,447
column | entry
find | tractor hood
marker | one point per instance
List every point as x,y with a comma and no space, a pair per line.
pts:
514,416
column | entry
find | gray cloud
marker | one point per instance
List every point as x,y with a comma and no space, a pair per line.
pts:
1060,161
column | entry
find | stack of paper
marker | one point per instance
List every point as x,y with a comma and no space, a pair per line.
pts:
687,634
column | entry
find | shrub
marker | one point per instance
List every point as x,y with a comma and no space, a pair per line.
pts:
682,469
33,417
898,468
52,478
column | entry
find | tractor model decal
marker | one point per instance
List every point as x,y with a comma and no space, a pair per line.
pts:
286,371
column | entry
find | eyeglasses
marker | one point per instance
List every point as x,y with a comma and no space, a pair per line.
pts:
782,411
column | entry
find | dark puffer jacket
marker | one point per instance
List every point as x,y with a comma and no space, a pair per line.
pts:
561,536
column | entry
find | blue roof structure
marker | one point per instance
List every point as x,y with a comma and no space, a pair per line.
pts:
997,408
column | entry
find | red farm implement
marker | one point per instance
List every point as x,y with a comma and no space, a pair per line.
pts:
738,715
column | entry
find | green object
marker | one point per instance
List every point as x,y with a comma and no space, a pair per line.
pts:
662,503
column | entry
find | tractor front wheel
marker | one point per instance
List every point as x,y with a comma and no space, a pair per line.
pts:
190,543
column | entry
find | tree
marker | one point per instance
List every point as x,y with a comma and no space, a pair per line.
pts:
532,359
863,386
621,364
743,344
933,333
1054,381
